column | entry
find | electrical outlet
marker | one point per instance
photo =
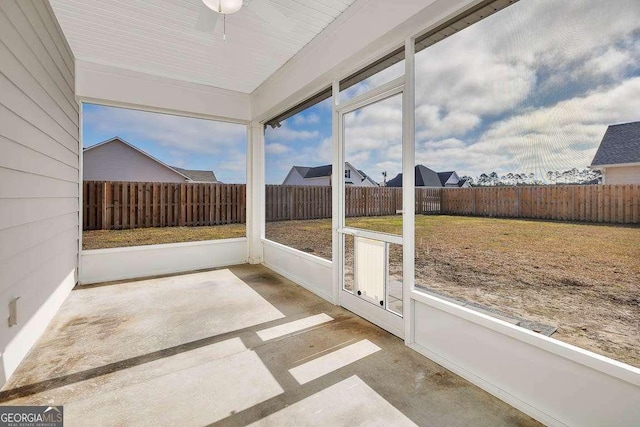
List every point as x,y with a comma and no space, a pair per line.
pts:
13,311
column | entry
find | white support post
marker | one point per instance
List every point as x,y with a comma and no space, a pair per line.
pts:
255,192
408,189
337,198
80,194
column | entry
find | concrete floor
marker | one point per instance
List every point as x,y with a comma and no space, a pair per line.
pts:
236,346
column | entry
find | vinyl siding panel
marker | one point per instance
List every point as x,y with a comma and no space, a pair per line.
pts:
39,168
14,212
13,70
29,110
63,61
27,30
16,268
53,31
22,185
19,130
115,161
12,40
18,239
36,287
293,178
25,159
622,175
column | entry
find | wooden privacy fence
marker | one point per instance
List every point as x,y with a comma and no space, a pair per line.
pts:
124,205
590,203
287,202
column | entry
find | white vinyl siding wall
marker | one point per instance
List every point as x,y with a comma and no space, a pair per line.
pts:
115,161
622,175
39,177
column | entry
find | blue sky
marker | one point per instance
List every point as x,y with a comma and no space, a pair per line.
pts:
527,90
177,141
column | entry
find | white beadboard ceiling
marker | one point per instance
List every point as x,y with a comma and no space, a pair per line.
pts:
159,37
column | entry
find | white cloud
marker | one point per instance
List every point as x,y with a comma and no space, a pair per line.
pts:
285,133
557,137
491,71
306,119
173,132
613,62
276,148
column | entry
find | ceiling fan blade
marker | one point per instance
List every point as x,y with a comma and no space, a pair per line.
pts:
207,19
270,13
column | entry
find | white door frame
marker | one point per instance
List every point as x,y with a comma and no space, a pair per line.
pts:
406,86
379,315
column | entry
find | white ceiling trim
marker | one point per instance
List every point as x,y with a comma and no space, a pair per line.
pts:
107,85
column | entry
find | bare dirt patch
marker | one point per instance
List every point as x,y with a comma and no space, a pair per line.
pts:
582,278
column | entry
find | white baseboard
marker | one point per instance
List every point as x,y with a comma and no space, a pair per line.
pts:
488,387
20,345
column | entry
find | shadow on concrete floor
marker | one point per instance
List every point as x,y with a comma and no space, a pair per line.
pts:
236,346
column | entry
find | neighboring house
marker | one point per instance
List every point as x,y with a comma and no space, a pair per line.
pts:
197,175
426,177
618,156
451,179
117,160
321,175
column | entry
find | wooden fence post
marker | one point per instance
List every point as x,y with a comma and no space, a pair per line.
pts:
105,223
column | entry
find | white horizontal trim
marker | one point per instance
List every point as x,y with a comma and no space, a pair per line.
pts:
108,85
309,257
105,265
592,360
162,246
377,94
298,281
278,257
387,320
152,109
373,235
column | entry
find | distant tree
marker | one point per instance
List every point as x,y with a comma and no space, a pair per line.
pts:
569,176
494,179
550,177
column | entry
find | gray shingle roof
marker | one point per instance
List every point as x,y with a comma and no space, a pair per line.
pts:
325,170
302,170
444,177
425,177
620,144
197,175
319,171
